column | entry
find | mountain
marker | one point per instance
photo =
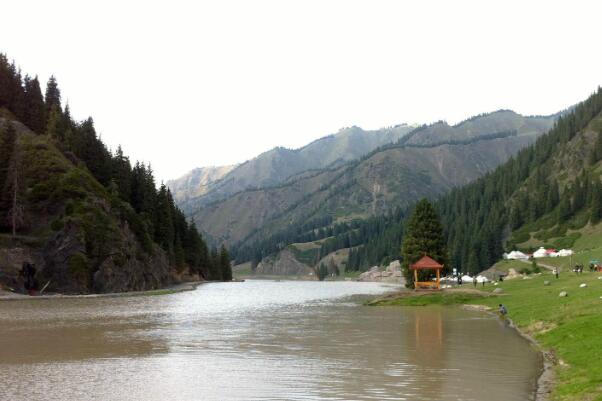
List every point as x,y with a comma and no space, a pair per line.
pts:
197,182
549,194
390,177
278,165
87,218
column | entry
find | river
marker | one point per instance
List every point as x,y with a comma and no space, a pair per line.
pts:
258,340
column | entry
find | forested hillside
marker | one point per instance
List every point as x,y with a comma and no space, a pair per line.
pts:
545,196
88,218
548,189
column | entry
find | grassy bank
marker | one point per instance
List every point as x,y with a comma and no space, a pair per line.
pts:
452,297
570,327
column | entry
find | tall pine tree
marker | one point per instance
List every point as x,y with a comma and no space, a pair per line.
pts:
424,235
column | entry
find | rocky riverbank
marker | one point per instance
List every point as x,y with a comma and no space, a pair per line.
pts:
391,274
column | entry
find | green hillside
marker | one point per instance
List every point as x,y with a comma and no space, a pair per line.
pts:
87,218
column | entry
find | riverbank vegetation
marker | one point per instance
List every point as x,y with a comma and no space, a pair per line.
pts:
568,326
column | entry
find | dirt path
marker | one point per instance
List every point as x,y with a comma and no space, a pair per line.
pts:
538,264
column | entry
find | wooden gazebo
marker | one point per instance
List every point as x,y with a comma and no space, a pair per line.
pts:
426,263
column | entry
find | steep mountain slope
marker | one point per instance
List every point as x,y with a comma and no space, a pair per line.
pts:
87,218
80,237
391,177
279,164
197,182
543,193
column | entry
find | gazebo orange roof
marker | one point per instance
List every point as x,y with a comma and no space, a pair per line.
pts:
426,263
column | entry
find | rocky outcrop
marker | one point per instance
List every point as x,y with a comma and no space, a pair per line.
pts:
122,266
391,274
284,263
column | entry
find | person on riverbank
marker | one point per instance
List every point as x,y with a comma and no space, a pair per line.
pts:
555,272
474,281
502,310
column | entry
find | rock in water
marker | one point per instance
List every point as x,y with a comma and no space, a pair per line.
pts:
563,294
546,282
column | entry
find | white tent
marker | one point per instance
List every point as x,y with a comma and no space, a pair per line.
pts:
466,279
482,279
540,253
517,255
565,252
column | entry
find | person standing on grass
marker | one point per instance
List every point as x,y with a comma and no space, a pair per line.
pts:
474,281
555,272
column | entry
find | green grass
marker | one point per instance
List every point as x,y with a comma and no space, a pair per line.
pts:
437,298
570,326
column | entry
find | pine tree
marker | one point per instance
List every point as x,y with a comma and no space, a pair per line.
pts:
473,262
552,198
53,126
596,202
8,138
35,109
163,223
215,271
53,96
224,261
564,208
424,235
122,174
322,271
596,152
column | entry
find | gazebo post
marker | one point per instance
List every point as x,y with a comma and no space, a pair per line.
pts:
415,278
438,286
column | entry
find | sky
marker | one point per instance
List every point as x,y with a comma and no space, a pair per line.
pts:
185,84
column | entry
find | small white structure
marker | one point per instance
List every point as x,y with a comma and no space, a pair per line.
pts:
517,255
482,279
541,253
565,252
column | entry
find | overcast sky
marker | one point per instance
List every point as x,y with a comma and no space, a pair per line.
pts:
184,84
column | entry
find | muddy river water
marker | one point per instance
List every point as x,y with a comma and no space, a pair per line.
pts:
258,340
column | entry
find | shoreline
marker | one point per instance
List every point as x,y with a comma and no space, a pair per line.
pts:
172,289
544,384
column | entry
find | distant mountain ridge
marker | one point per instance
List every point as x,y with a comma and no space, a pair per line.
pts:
206,185
427,161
